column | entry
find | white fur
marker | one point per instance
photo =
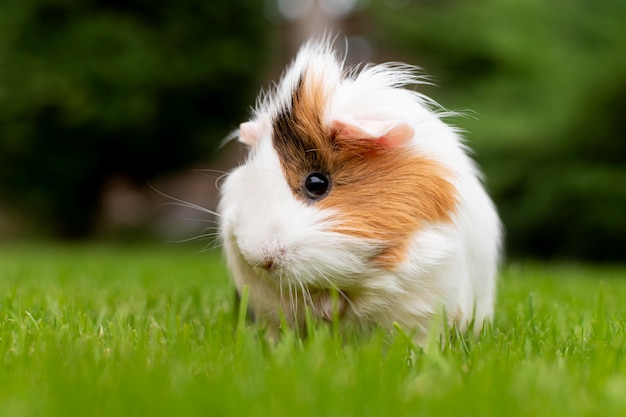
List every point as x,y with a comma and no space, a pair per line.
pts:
449,267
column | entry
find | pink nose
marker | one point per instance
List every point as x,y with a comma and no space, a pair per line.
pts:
271,258
268,263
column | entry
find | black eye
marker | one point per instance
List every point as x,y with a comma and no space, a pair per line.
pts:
316,185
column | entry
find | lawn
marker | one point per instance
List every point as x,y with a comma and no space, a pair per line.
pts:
133,331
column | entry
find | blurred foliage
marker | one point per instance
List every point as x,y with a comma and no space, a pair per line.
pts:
546,83
95,88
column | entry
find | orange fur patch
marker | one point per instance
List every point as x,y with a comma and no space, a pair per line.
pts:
379,192
387,197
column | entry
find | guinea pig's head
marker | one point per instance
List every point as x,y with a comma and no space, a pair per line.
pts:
336,182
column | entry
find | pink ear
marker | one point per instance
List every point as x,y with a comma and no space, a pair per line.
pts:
387,133
249,132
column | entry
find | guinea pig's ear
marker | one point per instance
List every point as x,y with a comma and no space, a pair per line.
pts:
249,132
387,133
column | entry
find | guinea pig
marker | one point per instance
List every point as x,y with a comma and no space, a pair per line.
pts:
357,203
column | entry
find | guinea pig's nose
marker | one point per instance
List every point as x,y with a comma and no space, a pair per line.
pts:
271,258
267,263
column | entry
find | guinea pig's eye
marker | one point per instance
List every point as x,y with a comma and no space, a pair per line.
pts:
316,185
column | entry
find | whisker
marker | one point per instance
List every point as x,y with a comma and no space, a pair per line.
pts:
334,287
191,219
218,178
217,181
304,290
303,293
210,246
296,299
291,302
216,171
307,301
184,203
205,236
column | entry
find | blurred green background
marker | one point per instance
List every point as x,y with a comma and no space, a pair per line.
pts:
104,101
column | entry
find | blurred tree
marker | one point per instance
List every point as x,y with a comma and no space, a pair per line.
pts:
547,85
93,88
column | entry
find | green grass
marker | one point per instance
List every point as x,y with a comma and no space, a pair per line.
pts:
132,331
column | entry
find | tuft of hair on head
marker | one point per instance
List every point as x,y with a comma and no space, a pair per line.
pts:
357,97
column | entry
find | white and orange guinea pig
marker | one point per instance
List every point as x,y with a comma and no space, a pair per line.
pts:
357,202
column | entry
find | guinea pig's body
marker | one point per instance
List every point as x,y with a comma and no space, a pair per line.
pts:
353,186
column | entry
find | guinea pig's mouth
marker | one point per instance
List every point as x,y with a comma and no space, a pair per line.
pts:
325,302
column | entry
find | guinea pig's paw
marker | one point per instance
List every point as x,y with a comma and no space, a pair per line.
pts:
326,304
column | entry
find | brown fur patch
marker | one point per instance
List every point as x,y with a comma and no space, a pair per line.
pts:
299,137
387,197
379,192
